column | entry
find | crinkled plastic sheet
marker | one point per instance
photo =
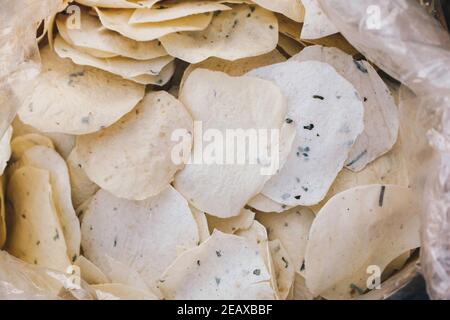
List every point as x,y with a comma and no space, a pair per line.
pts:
19,55
23,281
411,46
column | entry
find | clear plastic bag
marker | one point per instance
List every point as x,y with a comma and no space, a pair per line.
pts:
19,54
412,47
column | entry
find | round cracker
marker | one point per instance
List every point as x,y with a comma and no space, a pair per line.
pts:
95,39
174,10
121,66
133,158
245,31
35,233
142,235
117,20
328,114
225,267
358,228
73,99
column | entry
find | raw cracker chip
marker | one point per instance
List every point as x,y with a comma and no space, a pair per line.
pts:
202,224
381,119
222,103
75,99
44,158
235,68
96,39
290,46
245,31
2,214
358,228
121,66
117,20
292,229
225,267
133,158
293,9
142,235
231,225
328,114
125,4
316,24
175,9
35,233
90,272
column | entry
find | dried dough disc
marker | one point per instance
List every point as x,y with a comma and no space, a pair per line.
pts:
142,235
381,118
225,267
73,99
133,158
175,9
245,31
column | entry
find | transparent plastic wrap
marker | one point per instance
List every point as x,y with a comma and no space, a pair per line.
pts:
411,46
19,54
23,281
